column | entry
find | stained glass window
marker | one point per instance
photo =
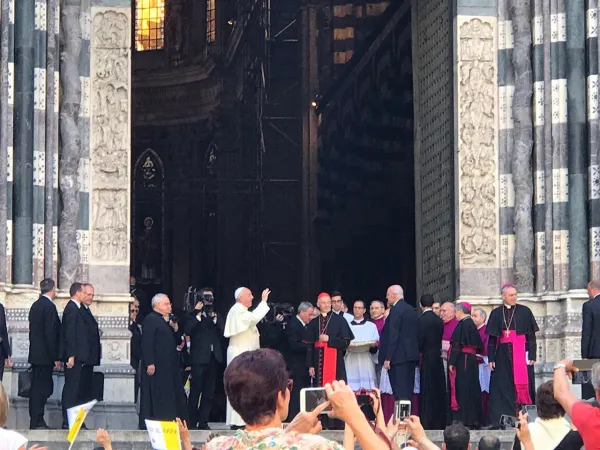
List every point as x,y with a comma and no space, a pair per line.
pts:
149,24
211,32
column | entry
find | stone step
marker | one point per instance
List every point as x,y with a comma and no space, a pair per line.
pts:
138,440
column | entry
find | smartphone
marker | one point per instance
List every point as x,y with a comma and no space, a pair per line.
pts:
507,422
402,409
310,398
531,411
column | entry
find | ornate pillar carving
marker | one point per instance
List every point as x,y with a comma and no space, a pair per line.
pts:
110,149
476,144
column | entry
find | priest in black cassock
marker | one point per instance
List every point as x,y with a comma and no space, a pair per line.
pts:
432,399
327,336
463,369
511,352
163,396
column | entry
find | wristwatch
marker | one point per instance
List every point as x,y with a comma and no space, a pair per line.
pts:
559,366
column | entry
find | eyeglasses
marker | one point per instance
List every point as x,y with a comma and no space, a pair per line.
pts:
290,385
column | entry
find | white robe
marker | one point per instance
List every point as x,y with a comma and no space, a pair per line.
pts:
360,369
240,328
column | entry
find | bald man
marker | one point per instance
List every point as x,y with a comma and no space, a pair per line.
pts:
240,328
399,346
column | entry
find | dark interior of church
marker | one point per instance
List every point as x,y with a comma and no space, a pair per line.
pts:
272,146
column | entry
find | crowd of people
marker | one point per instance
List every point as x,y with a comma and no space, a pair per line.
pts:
459,369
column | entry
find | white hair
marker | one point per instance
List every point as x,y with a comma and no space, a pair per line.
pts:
157,298
304,306
482,313
238,293
397,289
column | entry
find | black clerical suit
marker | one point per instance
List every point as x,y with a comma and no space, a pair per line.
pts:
432,404
399,345
163,396
590,337
5,351
135,358
340,336
93,330
44,346
75,342
465,345
296,362
206,355
503,396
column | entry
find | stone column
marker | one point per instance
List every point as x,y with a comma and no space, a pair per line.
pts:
6,113
109,189
477,188
23,142
576,91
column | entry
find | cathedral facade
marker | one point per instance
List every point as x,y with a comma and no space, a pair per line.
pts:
450,146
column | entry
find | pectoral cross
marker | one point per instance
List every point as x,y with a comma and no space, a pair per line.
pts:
507,333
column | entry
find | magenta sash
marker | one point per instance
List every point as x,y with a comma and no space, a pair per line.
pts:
519,365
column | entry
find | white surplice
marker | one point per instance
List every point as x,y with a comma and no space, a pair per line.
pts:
360,369
240,328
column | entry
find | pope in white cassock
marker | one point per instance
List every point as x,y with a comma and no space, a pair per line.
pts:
240,328
360,368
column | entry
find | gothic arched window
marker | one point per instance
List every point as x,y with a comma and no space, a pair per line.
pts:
211,20
149,24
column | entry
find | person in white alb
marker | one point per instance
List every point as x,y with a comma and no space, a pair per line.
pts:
360,368
240,328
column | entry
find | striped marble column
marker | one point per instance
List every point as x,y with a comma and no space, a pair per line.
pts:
577,145
51,154
593,109
39,141
23,141
505,141
539,217
7,21
560,181
83,223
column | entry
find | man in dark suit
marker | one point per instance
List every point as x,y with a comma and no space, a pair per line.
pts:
399,347
44,357
5,351
89,390
432,399
296,356
590,333
205,329
75,349
135,345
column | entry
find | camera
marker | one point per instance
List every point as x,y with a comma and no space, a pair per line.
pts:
276,309
193,296
173,318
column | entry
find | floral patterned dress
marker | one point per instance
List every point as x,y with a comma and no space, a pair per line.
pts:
270,438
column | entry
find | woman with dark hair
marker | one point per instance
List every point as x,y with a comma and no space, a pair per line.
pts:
550,430
258,388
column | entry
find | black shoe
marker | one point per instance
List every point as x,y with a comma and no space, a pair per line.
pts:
237,427
203,426
65,426
39,427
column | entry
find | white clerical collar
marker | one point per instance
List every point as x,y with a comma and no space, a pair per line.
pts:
354,319
508,306
301,321
76,302
44,295
480,326
427,309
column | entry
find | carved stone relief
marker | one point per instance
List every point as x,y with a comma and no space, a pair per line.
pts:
110,120
477,153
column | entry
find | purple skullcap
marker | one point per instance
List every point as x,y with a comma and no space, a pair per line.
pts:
466,305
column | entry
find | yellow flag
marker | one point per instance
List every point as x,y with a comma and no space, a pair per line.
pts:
171,433
76,425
